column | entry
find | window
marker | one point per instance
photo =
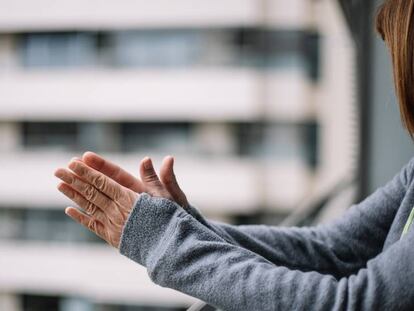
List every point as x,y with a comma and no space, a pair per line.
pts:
41,225
156,137
61,135
58,49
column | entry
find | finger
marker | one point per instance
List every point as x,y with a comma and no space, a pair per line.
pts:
89,192
86,221
90,208
113,171
149,176
170,183
98,180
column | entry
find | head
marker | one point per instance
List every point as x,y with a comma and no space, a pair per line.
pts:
395,23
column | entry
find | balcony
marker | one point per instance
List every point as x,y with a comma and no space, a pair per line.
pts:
157,95
222,186
46,15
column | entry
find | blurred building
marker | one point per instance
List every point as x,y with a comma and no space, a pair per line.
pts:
254,98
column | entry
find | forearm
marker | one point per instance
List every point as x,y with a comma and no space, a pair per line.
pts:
181,253
339,248
296,248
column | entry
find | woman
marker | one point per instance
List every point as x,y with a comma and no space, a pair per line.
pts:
364,261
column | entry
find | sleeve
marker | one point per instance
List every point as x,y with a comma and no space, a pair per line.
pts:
181,253
339,248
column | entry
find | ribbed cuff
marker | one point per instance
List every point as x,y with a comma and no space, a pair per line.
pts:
148,227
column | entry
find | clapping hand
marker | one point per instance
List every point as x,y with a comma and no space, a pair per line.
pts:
106,193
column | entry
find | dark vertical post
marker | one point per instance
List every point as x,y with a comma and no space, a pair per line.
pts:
385,147
360,20
363,39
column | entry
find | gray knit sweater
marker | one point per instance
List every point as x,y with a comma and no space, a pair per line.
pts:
360,262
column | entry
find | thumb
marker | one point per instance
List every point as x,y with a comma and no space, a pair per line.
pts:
149,177
170,182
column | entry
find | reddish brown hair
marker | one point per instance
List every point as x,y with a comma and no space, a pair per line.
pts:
395,23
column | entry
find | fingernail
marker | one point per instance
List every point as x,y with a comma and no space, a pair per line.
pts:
58,173
65,177
72,164
67,211
88,153
147,163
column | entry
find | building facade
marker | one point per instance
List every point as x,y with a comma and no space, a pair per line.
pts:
254,98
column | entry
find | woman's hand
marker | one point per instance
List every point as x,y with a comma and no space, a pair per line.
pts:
150,180
105,204
107,194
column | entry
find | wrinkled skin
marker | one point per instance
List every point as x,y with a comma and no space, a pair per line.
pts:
106,194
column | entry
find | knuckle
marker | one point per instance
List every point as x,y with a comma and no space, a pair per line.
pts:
91,208
151,177
92,224
99,181
95,196
115,193
72,195
79,169
117,196
90,193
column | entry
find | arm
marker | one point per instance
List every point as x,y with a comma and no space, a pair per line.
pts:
326,249
183,254
339,248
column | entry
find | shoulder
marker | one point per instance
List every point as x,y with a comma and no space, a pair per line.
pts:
407,173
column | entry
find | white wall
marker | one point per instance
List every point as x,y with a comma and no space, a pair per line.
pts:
123,14
190,95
